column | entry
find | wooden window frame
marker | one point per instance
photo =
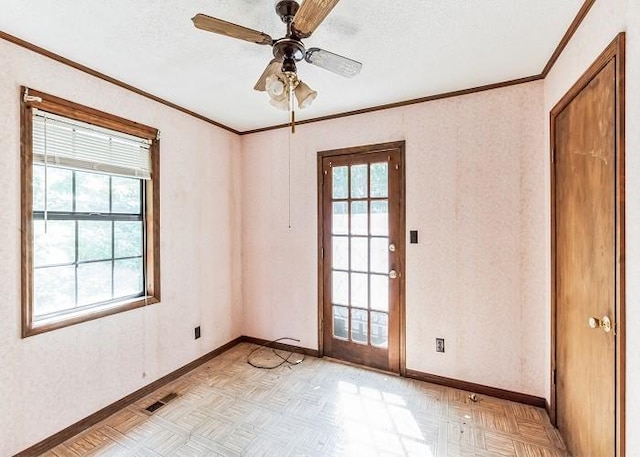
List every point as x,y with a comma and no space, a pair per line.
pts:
29,100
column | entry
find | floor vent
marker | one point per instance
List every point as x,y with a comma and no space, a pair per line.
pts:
152,408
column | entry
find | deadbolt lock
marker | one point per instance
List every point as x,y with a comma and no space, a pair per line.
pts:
604,323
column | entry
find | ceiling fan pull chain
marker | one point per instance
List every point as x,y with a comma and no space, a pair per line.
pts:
293,111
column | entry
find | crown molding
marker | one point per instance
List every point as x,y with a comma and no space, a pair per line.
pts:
573,27
429,98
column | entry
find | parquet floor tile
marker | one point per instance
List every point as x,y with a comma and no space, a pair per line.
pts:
227,408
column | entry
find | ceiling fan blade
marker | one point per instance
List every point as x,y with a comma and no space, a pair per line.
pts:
340,65
274,67
212,24
311,14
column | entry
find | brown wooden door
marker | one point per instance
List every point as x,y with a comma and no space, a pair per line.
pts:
362,234
585,266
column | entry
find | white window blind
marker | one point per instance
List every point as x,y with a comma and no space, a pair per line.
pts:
68,143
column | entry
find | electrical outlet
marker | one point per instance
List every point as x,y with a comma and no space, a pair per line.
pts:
439,344
197,332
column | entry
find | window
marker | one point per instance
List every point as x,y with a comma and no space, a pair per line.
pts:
90,214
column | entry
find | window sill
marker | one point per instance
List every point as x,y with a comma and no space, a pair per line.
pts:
54,323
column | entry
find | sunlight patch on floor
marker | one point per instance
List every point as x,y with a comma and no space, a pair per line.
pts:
378,423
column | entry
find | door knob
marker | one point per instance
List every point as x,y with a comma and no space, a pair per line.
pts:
393,274
604,323
392,247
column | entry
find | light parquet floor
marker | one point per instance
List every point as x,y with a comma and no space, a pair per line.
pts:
317,408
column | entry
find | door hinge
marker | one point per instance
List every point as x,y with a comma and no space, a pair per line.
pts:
322,252
553,377
553,155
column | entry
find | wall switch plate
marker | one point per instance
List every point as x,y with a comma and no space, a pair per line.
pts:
413,236
197,332
439,344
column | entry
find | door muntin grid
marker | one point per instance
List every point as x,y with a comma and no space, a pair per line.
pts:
360,253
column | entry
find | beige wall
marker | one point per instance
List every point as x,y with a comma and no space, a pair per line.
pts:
50,381
475,191
605,20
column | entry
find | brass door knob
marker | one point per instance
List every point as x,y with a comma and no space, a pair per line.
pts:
604,323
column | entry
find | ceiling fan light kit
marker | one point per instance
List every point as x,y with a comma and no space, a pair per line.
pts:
279,87
280,78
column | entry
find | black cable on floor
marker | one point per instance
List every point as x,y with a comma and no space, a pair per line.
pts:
284,360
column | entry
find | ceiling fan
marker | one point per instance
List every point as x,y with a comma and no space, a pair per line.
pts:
281,73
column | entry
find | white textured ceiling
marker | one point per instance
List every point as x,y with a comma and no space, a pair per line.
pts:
409,48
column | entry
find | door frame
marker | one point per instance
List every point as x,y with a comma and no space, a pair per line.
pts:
366,149
615,51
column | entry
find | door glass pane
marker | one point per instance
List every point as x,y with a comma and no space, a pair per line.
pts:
127,239
94,282
380,218
359,218
125,195
59,189
379,292
94,240
380,255
340,183
54,289
339,253
340,285
379,180
359,254
57,245
359,290
340,222
127,277
379,329
358,181
340,322
92,192
359,326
